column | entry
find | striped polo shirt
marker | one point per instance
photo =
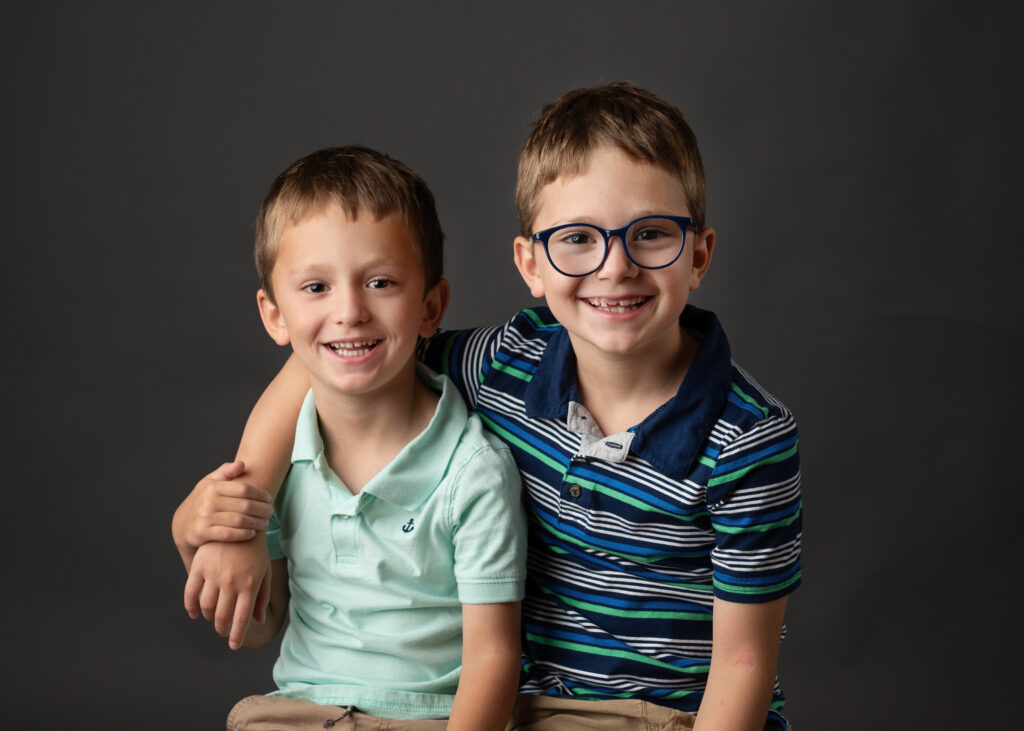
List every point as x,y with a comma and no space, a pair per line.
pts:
632,535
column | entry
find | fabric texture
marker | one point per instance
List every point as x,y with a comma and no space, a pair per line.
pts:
276,713
633,535
546,713
377,579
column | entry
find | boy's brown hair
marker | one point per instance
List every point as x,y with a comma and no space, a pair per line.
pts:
622,115
356,178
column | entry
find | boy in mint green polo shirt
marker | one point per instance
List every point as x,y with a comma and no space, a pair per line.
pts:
398,538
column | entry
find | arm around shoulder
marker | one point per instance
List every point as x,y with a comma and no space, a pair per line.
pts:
270,431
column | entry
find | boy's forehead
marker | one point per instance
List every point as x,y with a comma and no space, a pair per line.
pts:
611,182
364,232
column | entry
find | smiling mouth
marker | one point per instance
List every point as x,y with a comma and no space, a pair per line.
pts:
625,304
355,348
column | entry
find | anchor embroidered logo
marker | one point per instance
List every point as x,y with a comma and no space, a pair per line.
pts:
408,527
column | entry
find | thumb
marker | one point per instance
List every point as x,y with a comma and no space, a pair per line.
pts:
228,470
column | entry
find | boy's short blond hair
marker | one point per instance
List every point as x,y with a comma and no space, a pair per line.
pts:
356,178
622,115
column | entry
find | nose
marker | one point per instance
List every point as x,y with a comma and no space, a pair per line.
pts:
617,265
349,306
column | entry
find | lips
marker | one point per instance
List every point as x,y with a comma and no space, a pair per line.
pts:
616,304
353,348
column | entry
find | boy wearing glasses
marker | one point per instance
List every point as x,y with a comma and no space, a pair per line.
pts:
663,484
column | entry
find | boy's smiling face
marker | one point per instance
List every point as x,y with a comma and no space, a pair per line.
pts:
621,310
349,298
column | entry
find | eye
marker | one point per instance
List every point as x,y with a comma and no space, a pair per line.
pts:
380,283
649,234
575,237
315,287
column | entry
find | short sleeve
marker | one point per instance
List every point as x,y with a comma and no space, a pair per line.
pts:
489,527
756,511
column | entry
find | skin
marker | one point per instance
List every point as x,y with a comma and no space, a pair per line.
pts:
629,363
350,301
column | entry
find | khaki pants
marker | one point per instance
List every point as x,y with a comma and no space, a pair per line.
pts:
546,713
276,713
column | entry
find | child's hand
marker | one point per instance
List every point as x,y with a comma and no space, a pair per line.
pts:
230,584
221,507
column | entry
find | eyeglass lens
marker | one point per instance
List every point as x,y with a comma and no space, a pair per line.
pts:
652,242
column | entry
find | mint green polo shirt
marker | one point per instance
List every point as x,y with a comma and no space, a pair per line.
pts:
378,579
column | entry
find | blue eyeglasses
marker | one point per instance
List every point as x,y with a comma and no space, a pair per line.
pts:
579,249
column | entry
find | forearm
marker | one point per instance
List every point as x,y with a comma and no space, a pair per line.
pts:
744,661
260,634
490,670
738,695
270,431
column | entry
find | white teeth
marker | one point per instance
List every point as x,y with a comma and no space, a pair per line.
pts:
618,305
360,347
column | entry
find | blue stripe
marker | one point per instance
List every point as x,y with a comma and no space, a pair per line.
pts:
582,639
724,467
519,363
745,406
638,570
639,604
548,449
759,580
639,492
630,549
756,519
611,643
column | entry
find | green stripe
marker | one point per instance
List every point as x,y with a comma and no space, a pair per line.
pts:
708,462
635,502
511,370
730,476
589,692
639,559
758,528
446,356
525,446
622,654
751,590
630,613
749,400
535,318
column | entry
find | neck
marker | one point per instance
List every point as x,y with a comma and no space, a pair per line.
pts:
363,432
621,391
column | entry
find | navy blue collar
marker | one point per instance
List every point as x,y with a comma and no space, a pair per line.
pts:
669,439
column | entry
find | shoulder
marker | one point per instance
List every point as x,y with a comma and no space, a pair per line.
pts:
479,452
531,327
755,432
749,398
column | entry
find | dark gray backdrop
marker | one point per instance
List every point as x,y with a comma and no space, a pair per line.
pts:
863,175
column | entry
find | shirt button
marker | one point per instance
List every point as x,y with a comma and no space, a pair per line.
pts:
575,491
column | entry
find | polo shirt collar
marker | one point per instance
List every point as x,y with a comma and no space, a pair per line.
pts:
416,471
669,438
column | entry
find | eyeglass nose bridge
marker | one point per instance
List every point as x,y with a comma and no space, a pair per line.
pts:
620,234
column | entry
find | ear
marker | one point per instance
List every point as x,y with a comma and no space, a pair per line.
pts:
273,320
703,247
524,251
435,303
